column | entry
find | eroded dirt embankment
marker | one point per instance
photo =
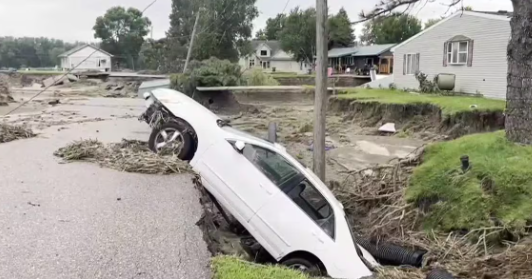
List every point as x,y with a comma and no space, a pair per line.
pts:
416,118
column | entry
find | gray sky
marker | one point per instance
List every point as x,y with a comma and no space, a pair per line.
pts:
72,20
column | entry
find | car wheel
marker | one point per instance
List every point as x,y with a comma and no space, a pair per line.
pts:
172,137
304,266
272,132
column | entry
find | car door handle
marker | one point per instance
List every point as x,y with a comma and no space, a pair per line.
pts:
317,235
265,189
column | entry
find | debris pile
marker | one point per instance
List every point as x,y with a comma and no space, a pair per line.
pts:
59,80
128,156
5,93
121,89
375,202
14,132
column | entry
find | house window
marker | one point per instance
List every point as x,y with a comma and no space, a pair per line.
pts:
265,64
457,53
411,63
251,63
263,53
369,61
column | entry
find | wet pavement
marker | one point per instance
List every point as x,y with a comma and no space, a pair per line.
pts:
78,220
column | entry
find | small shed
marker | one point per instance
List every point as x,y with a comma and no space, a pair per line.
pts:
148,86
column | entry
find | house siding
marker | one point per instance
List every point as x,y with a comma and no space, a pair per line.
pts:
92,63
488,72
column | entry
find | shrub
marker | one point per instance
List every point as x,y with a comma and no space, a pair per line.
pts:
257,77
211,72
425,85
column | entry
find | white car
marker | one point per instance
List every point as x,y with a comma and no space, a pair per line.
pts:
280,202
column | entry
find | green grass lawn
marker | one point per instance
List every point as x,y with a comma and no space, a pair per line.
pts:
448,104
226,267
497,187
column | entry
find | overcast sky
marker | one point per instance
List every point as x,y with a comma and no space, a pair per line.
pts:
73,20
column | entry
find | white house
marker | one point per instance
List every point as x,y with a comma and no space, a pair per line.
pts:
269,56
90,57
471,45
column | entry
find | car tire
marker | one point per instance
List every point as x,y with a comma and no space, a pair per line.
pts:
303,265
187,150
272,132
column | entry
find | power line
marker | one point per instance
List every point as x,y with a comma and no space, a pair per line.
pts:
64,75
285,5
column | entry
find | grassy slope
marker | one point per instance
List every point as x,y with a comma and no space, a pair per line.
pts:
448,104
225,267
498,185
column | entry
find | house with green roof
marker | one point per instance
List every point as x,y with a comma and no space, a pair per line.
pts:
356,58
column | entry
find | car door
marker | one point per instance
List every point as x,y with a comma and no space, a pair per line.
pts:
298,217
233,178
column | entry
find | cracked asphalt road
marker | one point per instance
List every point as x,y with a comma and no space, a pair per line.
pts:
78,220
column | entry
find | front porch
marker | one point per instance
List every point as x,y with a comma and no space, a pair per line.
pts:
361,65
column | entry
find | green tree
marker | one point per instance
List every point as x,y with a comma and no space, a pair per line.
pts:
260,35
224,27
274,27
151,55
122,32
340,30
518,112
298,36
431,22
468,8
392,29
31,52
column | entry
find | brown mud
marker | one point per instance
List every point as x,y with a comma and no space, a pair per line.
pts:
417,119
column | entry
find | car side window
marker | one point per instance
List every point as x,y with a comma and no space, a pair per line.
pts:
274,166
294,184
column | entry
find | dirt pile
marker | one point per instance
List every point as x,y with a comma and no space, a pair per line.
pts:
128,156
14,132
217,233
5,92
374,199
425,120
127,89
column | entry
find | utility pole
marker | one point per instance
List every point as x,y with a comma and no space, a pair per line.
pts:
320,96
189,53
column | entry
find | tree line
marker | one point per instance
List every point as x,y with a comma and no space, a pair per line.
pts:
31,52
224,31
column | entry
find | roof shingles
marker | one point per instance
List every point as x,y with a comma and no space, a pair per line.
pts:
372,50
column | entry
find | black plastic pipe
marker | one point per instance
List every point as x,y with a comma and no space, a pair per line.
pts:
439,273
390,254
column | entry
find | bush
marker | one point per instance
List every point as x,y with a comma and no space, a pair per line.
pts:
425,85
207,73
259,78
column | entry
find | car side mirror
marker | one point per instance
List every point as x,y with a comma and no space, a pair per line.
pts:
239,146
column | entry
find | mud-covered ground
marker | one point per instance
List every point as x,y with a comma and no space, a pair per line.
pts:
68,111
349,147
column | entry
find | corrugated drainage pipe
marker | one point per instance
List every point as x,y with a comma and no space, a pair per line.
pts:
390,254
439,273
